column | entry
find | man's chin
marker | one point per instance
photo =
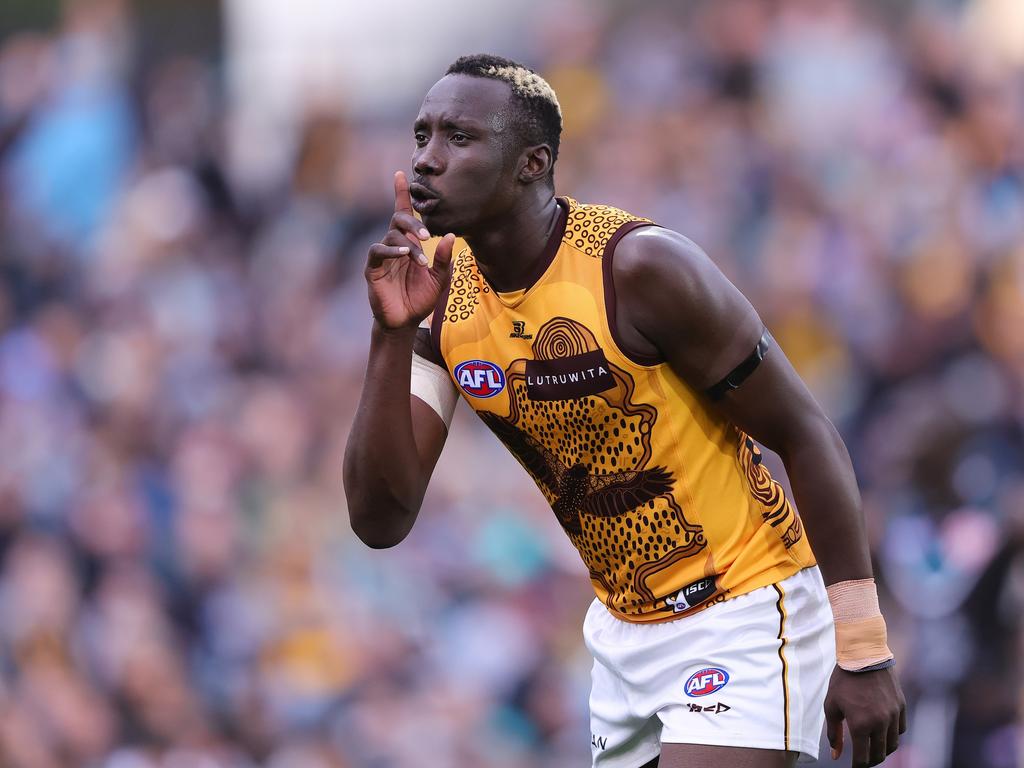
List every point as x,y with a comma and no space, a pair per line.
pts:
439,225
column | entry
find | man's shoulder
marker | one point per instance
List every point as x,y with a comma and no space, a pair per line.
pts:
592,227
649,256
642,254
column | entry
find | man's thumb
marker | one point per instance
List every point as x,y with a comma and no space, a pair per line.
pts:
443,253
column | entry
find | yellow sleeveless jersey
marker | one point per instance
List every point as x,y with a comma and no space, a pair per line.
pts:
667,502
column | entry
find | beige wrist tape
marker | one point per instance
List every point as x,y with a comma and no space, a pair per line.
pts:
860,629
433,385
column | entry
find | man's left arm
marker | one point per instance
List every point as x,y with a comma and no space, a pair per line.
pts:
670,296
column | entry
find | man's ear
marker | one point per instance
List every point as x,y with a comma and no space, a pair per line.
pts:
535,164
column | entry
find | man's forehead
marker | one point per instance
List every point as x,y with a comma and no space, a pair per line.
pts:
465,96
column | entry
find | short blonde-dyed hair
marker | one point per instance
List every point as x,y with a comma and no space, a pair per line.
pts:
525,83
536,111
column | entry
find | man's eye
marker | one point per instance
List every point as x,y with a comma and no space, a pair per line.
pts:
421,138
460,138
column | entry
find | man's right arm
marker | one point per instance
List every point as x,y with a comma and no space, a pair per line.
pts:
395,441
396,438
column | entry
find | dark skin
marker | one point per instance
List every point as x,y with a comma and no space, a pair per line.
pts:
671,300
690,755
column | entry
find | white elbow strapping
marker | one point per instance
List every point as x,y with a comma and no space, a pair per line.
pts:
432,384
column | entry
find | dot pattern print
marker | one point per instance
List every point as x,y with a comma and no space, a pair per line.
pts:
590,227
466,286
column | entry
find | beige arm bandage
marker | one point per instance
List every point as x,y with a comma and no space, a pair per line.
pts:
432,384
860,629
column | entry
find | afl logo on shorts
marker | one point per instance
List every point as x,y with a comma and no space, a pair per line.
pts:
706,681
479,378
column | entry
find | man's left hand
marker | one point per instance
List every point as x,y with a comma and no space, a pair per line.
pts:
874,709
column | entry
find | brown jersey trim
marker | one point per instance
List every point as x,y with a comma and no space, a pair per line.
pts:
552,246
439,311
609,294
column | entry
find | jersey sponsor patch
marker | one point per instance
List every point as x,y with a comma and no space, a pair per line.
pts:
566,378
706,681
480,378
691,595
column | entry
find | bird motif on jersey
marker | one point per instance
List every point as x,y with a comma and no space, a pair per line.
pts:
574,489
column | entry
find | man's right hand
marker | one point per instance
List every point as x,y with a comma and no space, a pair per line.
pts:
403,288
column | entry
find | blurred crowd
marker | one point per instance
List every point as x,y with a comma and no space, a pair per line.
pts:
181,353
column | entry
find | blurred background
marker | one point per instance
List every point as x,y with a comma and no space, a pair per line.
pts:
187,193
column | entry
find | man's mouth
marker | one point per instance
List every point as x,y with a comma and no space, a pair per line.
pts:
425,204
419,191
424,199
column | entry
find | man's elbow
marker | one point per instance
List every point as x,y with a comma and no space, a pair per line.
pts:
813,435
380,527
375,540
379,516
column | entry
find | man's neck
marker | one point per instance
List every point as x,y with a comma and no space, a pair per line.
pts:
508,251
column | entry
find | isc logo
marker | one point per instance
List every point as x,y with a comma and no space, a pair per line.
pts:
480,378
706,681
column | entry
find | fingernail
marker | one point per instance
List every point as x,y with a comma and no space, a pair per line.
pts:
424,235
402,249
422,260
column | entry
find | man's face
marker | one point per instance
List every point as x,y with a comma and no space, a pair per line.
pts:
463,171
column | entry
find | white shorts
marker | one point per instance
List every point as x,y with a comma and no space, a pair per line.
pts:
749,672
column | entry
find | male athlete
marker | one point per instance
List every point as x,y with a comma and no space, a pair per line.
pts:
630,379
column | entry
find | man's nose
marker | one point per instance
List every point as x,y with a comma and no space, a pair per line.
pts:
427,161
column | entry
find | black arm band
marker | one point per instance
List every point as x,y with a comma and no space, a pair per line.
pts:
740,373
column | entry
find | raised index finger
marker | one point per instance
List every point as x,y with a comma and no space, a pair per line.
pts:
402,201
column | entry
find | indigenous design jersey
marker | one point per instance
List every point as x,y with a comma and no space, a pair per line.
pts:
668,503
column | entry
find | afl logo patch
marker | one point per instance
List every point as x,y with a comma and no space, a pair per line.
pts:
480,378
706,681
